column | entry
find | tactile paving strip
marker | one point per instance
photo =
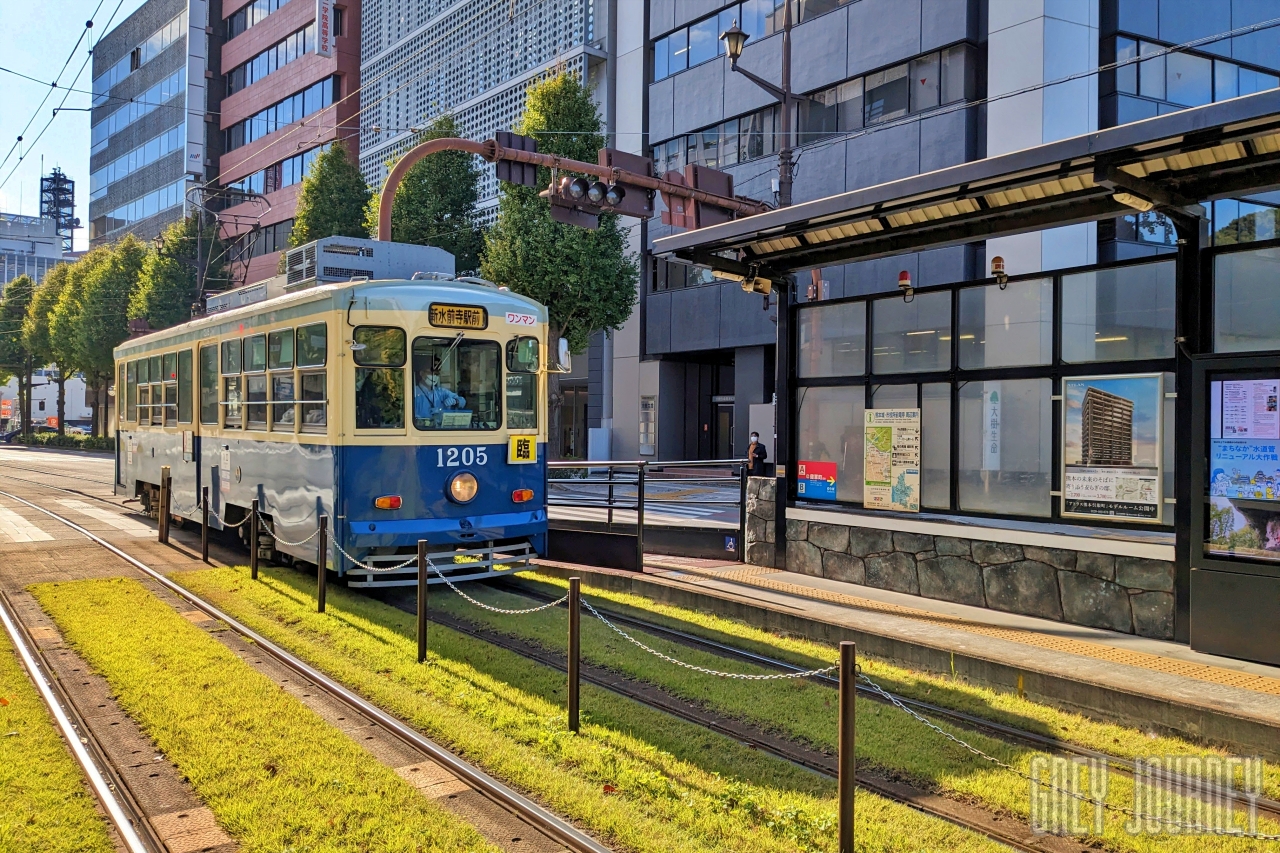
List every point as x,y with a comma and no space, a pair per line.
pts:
754,576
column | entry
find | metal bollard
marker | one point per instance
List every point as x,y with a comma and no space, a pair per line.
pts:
253,539
845,757
166,495
204,524
422,601
322,557
575,648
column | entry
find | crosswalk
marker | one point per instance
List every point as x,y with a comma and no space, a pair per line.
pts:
674,515
20,524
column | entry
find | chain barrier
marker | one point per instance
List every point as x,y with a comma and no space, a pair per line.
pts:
375,569
280,541
490,608
776,676
1127,812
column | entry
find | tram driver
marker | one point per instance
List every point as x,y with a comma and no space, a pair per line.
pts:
430,396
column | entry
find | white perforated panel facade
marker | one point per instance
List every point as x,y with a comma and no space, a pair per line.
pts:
474,58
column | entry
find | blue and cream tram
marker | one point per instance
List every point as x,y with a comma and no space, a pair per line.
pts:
402,410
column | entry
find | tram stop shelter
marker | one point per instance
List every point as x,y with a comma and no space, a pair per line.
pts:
1095,445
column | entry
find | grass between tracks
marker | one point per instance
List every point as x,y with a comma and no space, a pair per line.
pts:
44,801
1007,708
807,712
641,779
276,776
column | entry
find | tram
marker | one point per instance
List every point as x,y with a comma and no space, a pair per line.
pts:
401,410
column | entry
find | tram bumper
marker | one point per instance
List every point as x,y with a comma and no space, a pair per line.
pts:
467,531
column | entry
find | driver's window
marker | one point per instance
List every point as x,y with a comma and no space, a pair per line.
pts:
455,384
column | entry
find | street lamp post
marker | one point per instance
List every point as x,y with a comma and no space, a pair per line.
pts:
734,40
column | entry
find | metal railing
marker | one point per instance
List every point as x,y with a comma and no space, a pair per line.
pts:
622,486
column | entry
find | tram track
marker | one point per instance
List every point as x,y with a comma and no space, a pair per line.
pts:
526,816
970,722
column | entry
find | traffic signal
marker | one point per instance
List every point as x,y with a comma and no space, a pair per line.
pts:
523,174
685,212
570,203
620,196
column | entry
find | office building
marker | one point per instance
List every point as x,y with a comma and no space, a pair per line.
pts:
152,133
896,88
1106,430
29,245
290,74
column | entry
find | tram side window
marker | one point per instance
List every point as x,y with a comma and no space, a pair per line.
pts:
144,391
209,384
184,386
157,390
314,418
311,348
255,387
280,363
522,383
131,392
170,413
231,383
312,344
379,355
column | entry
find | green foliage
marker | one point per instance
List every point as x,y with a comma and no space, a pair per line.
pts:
586,278
73,442
169,283
435,204
35,326
333,199
13,311
104,307
64,318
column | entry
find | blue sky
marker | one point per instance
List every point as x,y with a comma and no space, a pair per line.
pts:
35,39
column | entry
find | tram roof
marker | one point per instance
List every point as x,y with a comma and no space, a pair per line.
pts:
1176,160
387,295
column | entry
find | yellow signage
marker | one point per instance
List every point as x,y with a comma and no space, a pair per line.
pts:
459,316
522,450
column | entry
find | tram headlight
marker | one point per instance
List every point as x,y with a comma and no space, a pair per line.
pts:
463,487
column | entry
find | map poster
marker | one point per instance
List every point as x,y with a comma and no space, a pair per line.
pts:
816,481
1111,451
891,464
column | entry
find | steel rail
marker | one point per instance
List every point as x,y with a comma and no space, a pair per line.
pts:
553,826
78,739
967,720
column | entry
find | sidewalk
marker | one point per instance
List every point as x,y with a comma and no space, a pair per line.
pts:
1132,680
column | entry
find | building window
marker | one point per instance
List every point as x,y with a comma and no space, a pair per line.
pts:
911,337
157,96
155,44
1246,301
296,107
1006,327
1119,314
248,16
833,340
295,46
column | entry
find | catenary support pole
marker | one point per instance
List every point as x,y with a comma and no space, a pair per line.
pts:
575,648
845,759
422,601
166,489
253,539
322,557
640,517
204,524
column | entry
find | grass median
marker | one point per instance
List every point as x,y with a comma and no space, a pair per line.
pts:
44,801
807,712
1007,708
642,780
275,775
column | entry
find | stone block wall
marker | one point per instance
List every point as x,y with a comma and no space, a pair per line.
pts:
1133,595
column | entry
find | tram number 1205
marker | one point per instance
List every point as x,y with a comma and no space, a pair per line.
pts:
452,457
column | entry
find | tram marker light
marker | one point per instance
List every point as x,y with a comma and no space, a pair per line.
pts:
388,502
522,495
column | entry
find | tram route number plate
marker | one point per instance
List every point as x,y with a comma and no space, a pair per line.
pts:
522,450
458,316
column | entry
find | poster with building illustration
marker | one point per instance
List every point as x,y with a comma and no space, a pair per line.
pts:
1111,447
891,462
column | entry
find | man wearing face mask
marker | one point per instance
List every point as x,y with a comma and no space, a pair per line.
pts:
756,454
429,396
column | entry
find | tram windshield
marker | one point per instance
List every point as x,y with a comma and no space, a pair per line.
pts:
455,384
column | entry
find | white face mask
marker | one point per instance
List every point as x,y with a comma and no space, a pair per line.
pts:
432,381
754,438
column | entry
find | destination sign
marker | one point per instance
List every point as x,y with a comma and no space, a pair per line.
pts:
459,316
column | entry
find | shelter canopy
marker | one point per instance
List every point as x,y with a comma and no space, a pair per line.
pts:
1171,162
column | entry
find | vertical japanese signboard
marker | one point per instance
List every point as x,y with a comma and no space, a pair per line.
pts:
991,426
891,462
324,27
1112,447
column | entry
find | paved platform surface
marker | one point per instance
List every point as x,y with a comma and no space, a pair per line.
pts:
1010,649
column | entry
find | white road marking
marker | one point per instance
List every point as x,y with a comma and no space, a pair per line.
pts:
109,518
18,529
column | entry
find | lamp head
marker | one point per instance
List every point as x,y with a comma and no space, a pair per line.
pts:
734,39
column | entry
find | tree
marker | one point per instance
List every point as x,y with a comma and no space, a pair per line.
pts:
333,199
169,283
15,358
35,333
586,278
102,323
435,204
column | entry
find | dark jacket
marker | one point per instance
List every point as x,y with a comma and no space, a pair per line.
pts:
756,454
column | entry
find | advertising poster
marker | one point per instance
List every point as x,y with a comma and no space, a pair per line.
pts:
816,481
1244,469
891,464
1111,449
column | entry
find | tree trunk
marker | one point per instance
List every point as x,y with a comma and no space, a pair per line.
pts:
62,403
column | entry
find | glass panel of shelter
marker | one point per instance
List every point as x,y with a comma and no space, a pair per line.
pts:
1113,320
